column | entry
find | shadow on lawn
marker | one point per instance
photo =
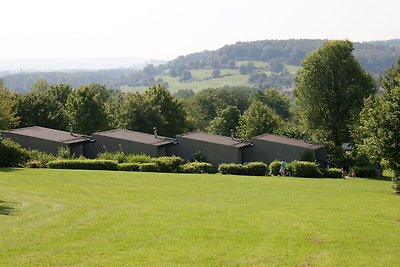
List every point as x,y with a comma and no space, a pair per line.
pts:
2,169
5,209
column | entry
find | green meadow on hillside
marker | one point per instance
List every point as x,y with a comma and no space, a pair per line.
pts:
103,218
202,78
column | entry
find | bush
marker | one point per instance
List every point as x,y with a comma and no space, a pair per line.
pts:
38,159
332,173
168,164
396,182
274,167
365,171
149,167
232,168
138,158
197,167
64,152
120,157
83,164
129,167
34,164
12,154
305,169
256,168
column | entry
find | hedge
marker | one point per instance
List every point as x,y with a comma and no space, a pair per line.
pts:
168,164
256,168
365,171
274,167
12,154
332,173
232,168
305,169
253,168
197,167
130,167
84,164
149,167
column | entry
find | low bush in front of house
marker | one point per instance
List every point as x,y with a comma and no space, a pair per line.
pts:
197,167
305,169
232,168
168,164
120,156
39,159
274,167
365,171
252,168
149,167
129,167
256,168
332,173
84,164
12,154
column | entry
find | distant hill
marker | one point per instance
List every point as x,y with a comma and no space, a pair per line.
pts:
258,64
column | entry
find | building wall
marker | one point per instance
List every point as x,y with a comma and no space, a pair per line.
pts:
105,143
213,153
43,145
267,152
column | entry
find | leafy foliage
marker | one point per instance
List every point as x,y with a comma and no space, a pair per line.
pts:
8,116
330,89
12,154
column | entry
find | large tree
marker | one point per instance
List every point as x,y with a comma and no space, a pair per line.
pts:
8,116
258,119
44,105
226,120
86,107
276,100
379,125
330,89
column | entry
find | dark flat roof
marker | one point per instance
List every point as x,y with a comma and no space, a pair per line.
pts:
216,139
289,141
137,137
49,134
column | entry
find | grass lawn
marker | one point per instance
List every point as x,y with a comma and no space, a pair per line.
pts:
103,218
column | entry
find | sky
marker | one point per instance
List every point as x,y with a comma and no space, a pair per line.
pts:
165,29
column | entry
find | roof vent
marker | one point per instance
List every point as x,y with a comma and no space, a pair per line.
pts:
71,129
232,134
155,132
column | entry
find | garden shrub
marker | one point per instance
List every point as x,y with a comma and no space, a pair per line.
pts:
64,152
332,173
119,156
365,171
168,164
197,167
12,154
130,167
256,168
84,164
232,168
39,159
305,169
138,158
149,167
274,167
34,164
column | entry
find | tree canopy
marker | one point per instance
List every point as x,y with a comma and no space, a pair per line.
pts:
330,89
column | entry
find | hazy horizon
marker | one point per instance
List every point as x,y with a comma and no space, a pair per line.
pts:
163,30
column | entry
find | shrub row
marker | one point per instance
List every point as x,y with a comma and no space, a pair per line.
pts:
84,164
253,168
197,167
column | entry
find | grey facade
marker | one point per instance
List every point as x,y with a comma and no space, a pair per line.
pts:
269,147
49,140
131,142
215,148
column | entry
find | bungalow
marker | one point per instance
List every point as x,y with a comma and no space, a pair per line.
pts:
132,142
268,147
215,149
49,140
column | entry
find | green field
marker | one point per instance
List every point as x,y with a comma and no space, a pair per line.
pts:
105,218
202,78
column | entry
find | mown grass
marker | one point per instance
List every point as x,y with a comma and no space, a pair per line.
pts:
103,218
